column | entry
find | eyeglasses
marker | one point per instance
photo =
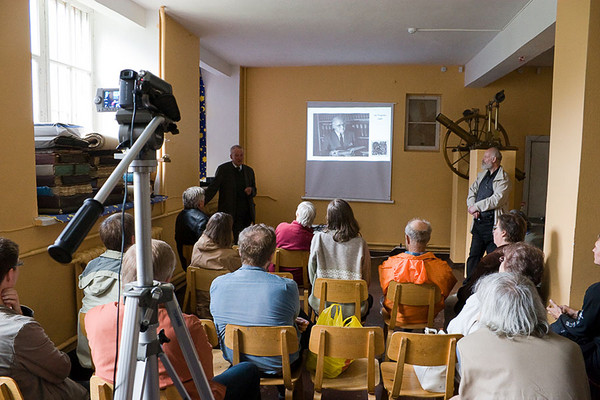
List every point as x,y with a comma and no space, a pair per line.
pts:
18,264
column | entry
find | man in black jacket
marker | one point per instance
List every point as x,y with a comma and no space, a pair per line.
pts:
191,221
237,187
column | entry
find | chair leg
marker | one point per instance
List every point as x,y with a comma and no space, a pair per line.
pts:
316,395
372,396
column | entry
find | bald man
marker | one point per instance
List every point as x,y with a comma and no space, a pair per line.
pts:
487,199
416,265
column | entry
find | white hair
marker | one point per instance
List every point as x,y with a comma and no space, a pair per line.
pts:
421,237
192,196
305,213
511,305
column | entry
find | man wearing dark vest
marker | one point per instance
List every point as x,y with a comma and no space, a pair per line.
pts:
237,187
488,198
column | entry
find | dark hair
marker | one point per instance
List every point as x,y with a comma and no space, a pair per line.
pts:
340,219
220,229
110,231
524,259
257,244
514,226
9,256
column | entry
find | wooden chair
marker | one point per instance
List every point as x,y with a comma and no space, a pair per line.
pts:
287,275
408,349
268,341
295,259
360,344
410,294
198,279
102,390
9,390
341,291
220,364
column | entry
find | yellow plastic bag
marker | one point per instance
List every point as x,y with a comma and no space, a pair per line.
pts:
332,316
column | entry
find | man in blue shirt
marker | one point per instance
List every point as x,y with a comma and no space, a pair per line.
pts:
251,296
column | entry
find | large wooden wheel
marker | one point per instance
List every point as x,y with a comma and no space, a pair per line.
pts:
457,150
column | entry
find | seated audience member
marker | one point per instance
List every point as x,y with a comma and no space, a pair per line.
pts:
340,252
519,258
26,353
509,228
416,265
515,355
251,296
99,278
190,222
583,326
296,235
238,382
213,251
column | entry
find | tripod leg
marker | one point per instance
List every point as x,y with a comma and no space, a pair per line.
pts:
173,374
128,351
188,350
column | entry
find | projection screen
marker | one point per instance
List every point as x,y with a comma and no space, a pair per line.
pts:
348,151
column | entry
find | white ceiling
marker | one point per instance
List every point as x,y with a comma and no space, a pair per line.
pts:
257,33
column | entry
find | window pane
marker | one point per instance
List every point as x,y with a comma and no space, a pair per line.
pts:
421,135
60,94
82,98
422,110
35,88
34,20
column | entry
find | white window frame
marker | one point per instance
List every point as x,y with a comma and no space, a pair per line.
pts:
409,98
43,105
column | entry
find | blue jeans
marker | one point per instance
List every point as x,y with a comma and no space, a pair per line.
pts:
242,382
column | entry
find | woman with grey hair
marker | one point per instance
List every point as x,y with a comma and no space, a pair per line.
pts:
515,355
296,235
190,222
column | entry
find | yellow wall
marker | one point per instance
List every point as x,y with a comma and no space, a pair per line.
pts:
45,285
275,136
572,214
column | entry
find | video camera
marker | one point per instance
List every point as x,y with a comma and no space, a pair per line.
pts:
141,97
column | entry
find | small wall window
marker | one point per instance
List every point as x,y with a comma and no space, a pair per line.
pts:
422,130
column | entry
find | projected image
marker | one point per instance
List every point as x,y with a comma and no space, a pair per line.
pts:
348,150
341,135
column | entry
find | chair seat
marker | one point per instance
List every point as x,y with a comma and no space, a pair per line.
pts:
410,382
220,364
354,378
296,374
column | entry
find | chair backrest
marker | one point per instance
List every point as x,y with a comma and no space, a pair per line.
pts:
426,350
342,342
288,275
265,341
187,250
198,279
341,291
211,332
293,259
102,390
411,294
9,390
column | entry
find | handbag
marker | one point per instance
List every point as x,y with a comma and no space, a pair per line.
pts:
332,366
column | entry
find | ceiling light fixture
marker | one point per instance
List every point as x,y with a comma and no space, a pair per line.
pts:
415,30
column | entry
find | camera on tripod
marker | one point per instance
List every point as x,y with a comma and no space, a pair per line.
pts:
141,97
